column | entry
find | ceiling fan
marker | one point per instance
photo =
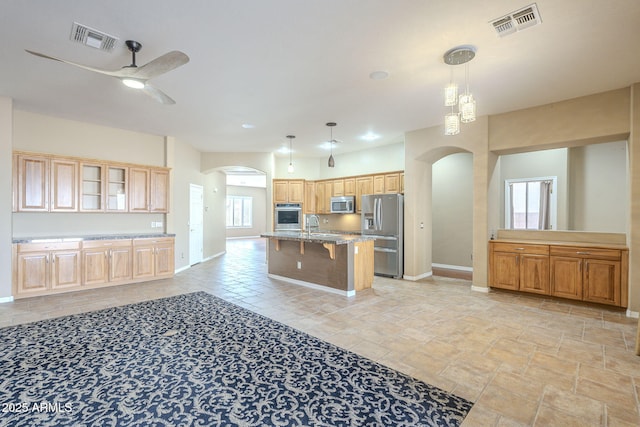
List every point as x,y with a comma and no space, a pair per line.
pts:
137,77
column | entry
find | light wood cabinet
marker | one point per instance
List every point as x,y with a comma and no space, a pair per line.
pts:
321,197
33,183
309,206
117,188
159,191
520,267
288,191
378,184
594,274
45,267
63,185
337,187
364,186
139,179
91,187
153,258
392,183
106,261
349,186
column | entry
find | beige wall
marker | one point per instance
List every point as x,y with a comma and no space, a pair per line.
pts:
385,158
6,132
452,196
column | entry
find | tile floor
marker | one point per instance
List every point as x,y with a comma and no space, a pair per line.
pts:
523,360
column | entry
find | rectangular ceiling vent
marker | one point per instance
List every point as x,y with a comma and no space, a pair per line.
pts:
92,38
517,21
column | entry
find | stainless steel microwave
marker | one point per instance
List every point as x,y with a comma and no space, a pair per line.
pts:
343,204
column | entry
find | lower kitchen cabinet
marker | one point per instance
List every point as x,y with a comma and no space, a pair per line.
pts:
593,274
49,268
45,267
106,261
153,258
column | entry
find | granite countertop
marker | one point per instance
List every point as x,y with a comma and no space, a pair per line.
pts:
58,239
317,237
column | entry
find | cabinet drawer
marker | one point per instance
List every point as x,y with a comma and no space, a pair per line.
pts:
92,244
581,252
521,248
48,246
152,241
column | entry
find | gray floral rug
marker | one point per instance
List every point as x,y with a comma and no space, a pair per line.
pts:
196,359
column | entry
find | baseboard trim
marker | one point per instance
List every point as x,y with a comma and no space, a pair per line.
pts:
6,299
421,276
633,314
483,289
186,267
452,267
312,285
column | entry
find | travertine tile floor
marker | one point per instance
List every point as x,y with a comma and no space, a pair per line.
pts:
523,360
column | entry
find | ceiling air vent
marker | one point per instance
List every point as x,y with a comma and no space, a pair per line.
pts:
93,38
517,21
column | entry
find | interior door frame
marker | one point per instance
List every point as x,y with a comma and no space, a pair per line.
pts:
196,257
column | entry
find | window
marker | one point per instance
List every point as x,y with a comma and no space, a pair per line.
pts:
530,203
239,211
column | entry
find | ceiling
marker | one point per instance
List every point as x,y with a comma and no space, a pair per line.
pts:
291,66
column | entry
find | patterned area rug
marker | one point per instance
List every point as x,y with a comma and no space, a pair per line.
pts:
196,359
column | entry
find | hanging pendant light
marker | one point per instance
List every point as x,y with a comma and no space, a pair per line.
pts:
466,104
331,163
290,168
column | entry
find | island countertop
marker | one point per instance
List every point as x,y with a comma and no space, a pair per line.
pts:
317,237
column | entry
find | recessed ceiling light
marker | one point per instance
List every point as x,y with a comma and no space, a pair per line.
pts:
379,75
370,136
248,126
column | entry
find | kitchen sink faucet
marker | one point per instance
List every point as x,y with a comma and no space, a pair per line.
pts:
309,223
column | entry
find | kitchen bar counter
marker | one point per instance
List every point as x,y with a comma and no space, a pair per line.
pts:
340,263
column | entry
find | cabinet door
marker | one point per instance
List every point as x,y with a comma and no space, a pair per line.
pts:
349,186
280,191
33,183
143,261
120,264
378,184
601,281
364,186
159,191
320,197
65,269
506,272
33,272
534,274
338,187
95,266
64,185
91,187
566,277
392,183
117,188
138,190
296,191
309,197
164,260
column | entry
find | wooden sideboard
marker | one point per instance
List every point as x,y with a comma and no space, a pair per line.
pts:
595,273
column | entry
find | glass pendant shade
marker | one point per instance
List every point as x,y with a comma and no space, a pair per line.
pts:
331,163
467,108
451,124
451,95
290,168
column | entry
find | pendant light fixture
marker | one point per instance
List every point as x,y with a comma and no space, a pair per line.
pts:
290,168
466,104
331,163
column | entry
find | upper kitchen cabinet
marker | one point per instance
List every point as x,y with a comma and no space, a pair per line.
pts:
45,184
288,191
91,187
349,186
117,188
309,197
338,187
148,190
364,185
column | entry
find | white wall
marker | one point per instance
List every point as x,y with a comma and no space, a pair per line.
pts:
598,190
452,204
259,210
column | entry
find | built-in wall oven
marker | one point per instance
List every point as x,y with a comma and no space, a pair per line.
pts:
288,216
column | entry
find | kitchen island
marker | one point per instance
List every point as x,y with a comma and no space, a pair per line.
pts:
339,263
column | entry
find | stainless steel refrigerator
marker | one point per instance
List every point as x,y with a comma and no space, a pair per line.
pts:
382,216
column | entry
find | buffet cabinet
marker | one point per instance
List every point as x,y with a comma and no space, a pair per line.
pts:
43,268
49,183
597,274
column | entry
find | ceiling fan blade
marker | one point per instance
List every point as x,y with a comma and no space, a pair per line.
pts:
123,72
158,95
160,65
